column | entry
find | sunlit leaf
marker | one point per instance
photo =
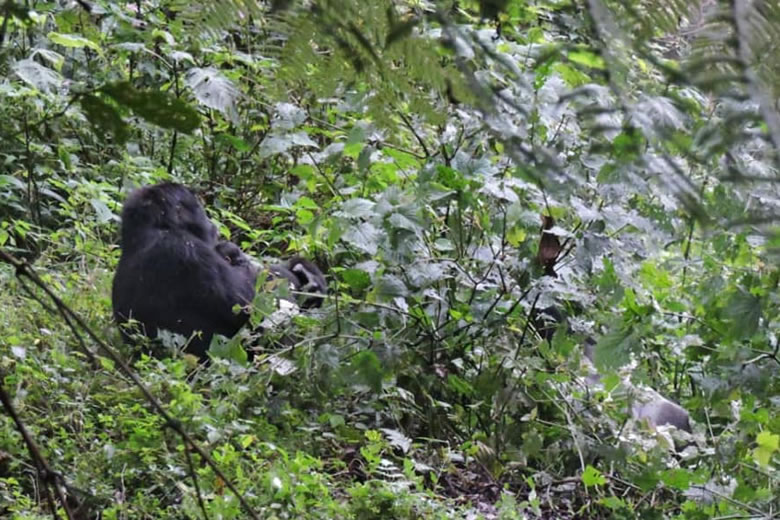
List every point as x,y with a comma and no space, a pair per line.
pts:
74,41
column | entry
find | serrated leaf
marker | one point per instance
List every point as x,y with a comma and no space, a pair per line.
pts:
677,478
368,367
37,76
744,311
304,216
357,280
302,139
768,444
159,108
287,116
282,366
358,208
587,58
399,221
363,236
55,58
768,440
398,439
460,385
306,202
389,286
225,348
614,348
180,56
101,209
276,144
234,141
422,274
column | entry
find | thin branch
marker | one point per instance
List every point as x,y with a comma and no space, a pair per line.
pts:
45,473
23,269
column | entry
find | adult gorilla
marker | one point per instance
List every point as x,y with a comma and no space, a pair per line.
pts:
170,275
174,275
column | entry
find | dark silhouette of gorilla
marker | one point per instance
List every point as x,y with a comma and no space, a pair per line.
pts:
174,275
170,275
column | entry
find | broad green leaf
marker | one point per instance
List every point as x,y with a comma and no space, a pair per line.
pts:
768,444
358,208
357,279
613,503
55,58
104,118
159,108
235,142
276,144
571,75
73,41
614,348
363,236
592,477
101,209
744,312
367,366
587,58
388,287
303,216
222,347
214,90
677,478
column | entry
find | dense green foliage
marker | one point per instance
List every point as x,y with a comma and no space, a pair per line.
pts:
412,148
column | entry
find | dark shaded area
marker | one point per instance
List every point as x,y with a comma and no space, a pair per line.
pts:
302,275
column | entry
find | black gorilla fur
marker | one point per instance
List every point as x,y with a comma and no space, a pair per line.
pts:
174,275
170,275
301,274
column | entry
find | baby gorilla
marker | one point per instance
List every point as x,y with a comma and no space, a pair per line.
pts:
170,275
301,274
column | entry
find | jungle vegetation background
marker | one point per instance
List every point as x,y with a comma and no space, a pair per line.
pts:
411,148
